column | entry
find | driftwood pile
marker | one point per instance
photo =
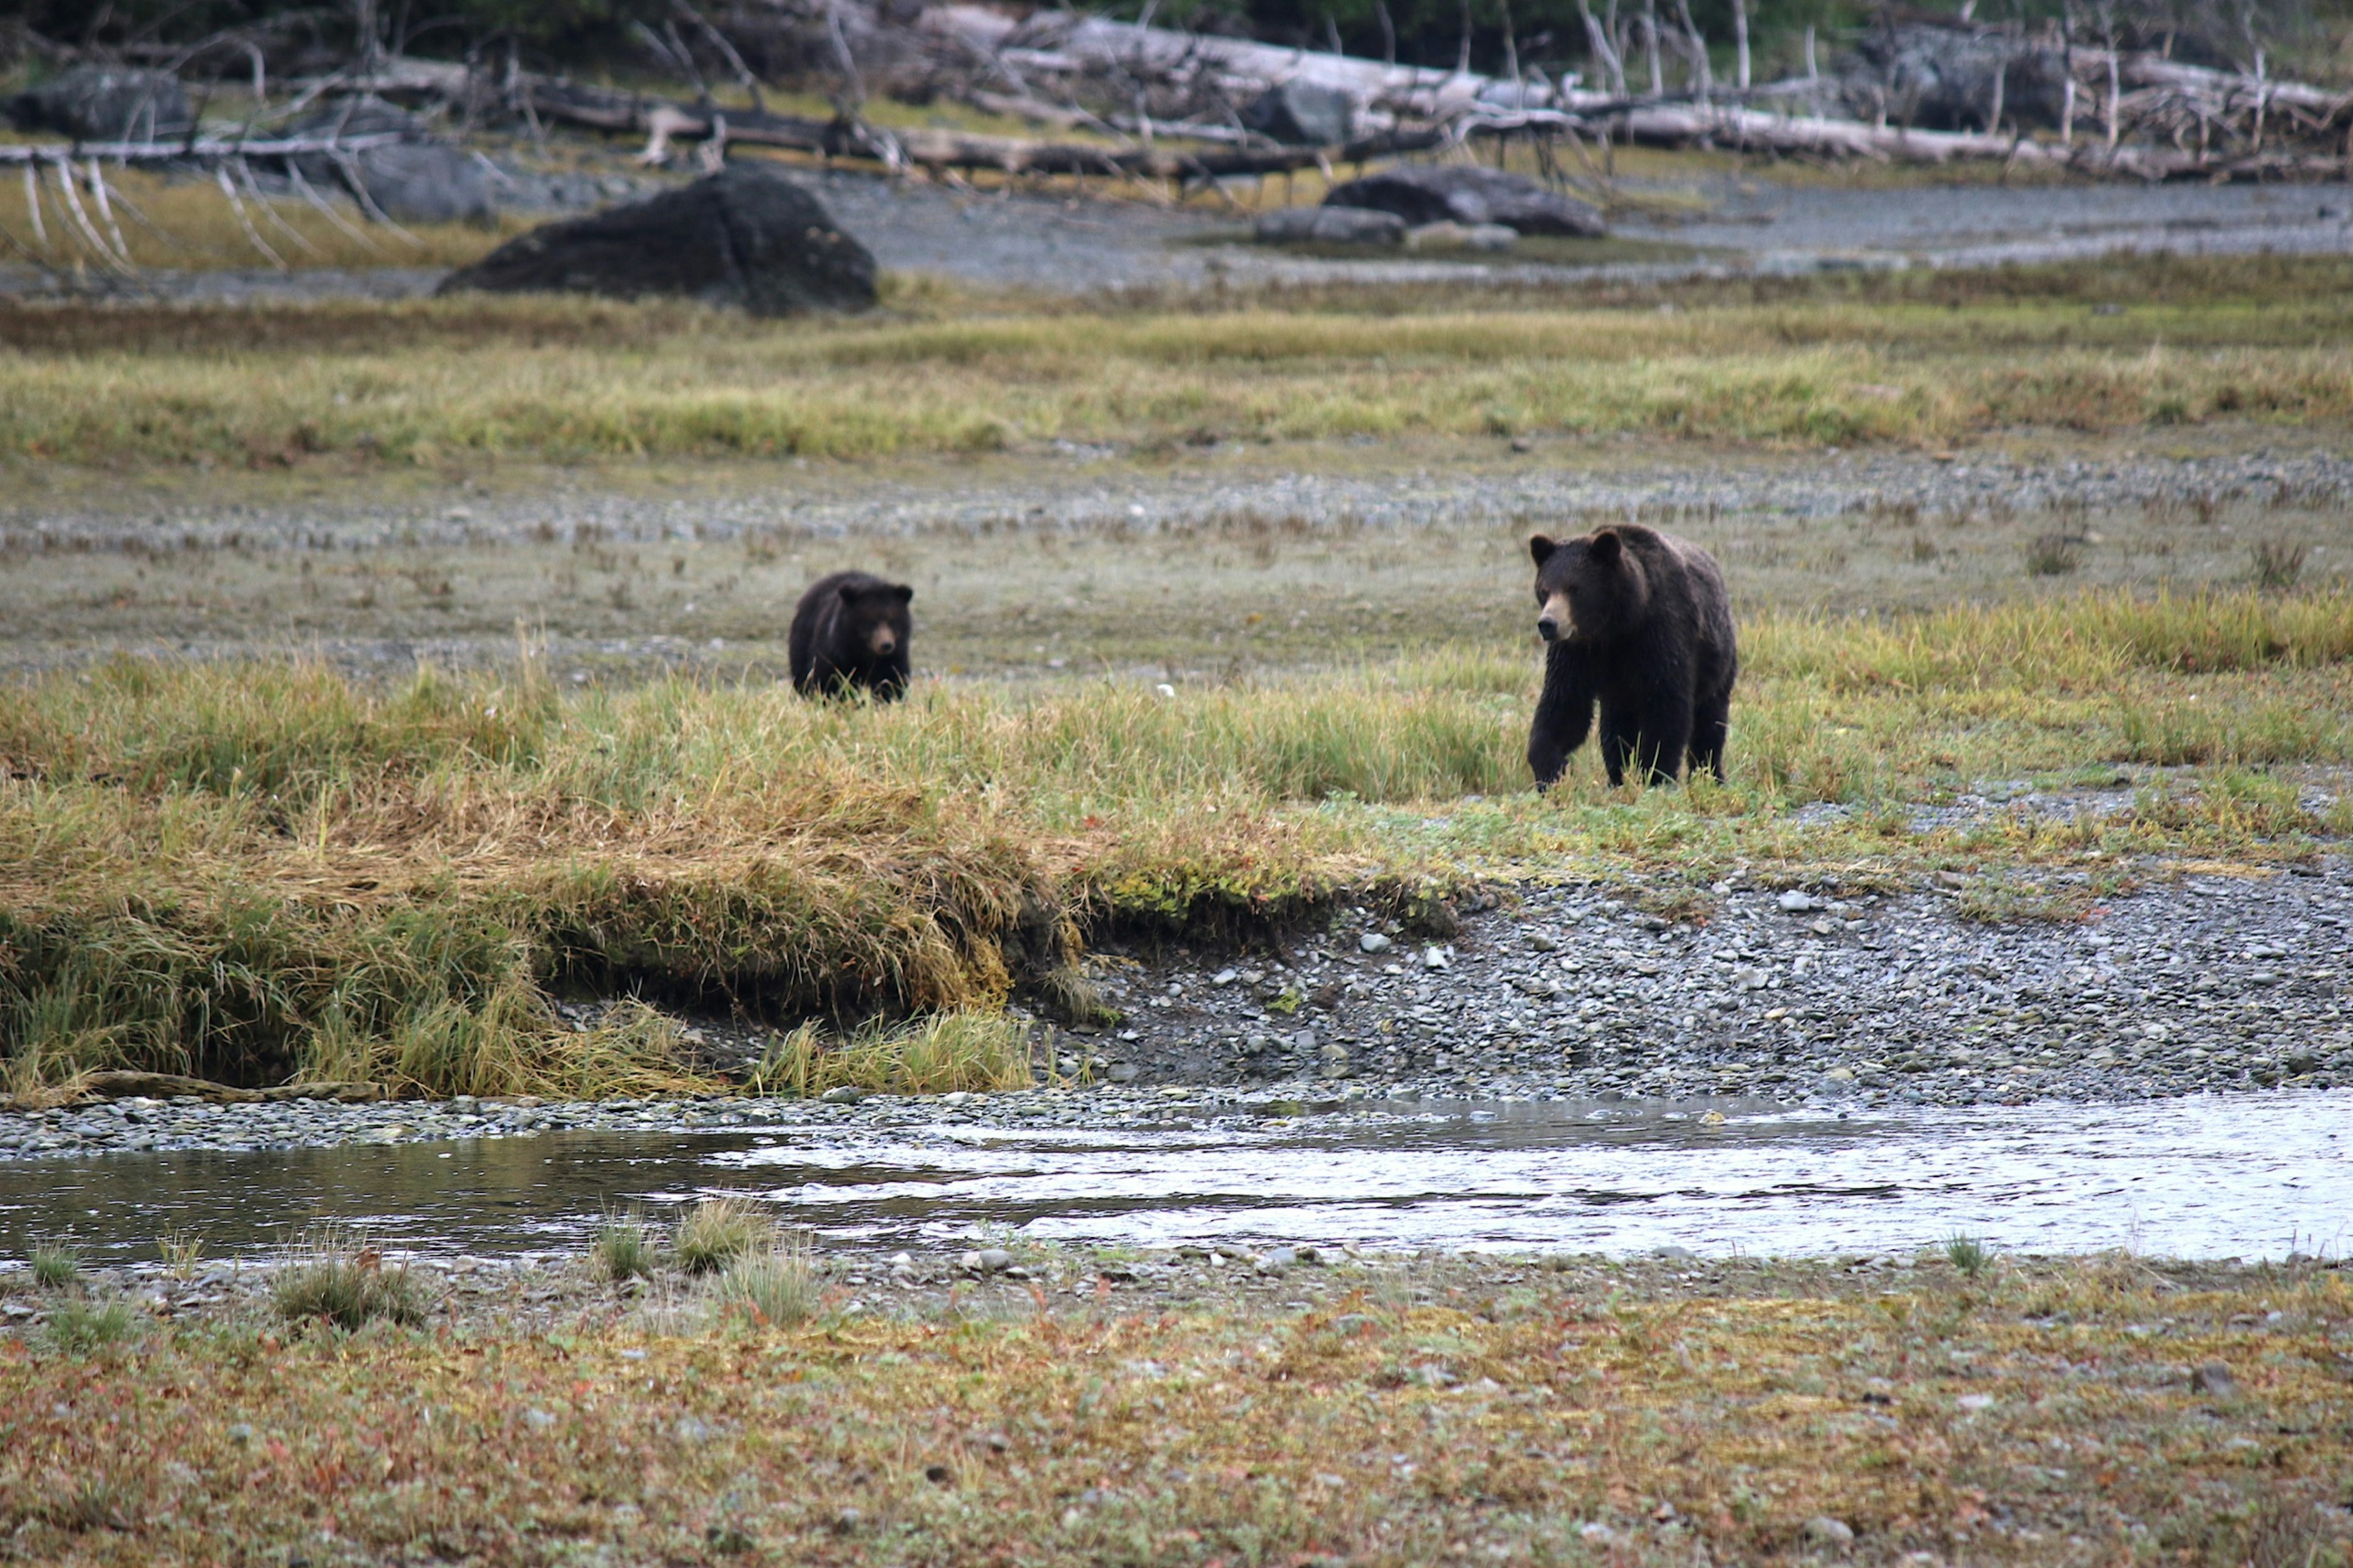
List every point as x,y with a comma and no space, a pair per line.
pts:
1173,111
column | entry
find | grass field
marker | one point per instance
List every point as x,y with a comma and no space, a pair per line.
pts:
1818,363
2107,1410
267,871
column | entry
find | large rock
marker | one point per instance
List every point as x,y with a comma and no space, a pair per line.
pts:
1301,114
410,181
1470,196
746,237
1329,226
105,103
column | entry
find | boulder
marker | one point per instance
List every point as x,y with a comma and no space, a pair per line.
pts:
1473,196
1329,226
105,103
1301,114
746,237
411,180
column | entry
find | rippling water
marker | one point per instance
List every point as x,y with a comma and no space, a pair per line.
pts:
2246,1176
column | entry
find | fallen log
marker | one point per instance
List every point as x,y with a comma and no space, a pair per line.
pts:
1742,127
129,1085
207,149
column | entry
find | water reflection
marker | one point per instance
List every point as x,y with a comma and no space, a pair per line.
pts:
2253,1176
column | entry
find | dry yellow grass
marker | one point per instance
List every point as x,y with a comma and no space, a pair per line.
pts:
260,872
186,224
568,380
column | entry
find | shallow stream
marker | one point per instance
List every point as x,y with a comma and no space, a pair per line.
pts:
2250,1176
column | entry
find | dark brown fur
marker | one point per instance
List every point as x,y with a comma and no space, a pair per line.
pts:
851,633
1641,623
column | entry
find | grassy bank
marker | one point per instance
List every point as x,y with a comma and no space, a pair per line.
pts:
546,379
266,873
2107,1410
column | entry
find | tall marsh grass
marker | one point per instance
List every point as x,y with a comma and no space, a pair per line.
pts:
543,378
264,872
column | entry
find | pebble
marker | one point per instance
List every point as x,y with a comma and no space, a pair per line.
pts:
1824,1531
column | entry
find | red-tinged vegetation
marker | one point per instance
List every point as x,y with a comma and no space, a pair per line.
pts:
2026,1416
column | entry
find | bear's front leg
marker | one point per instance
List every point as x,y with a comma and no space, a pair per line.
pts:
1564,716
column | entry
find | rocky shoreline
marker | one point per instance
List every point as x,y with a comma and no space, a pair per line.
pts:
1787,996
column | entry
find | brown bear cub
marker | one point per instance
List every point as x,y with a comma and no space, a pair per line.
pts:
1639,622
850,632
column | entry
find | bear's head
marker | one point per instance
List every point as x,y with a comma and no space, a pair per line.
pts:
875,615
1587,589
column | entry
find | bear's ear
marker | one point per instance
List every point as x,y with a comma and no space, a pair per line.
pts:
848,592
1606,546
1541,548
902,594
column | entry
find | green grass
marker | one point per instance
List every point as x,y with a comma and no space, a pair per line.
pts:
716,1233
264,872
966,1048
338,1279
79,1328
774,1286
624,1250
53,1267
568,380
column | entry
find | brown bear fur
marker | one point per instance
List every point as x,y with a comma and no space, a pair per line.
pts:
1639,622
850,632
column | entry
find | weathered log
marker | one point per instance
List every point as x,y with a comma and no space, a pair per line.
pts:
207,149
129,1085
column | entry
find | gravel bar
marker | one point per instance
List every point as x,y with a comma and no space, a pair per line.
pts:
1789,996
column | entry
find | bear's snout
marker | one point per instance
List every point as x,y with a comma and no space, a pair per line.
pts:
1548,628
884,641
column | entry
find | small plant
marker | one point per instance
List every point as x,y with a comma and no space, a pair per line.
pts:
1968,1254
716,1233
1924,549
348,1284
182,1252
78,1327
55,1266
624,1250
774,1286
2277,562
2052,555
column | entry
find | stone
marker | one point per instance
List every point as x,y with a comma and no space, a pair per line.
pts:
105,103
843,1094
1470,196
2214,1378
1374,941
415,180
1329,226
1795,902
1823,1530
1302,114
747,237
1436,958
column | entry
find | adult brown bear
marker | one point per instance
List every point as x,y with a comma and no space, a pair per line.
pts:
1639,622
850,631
